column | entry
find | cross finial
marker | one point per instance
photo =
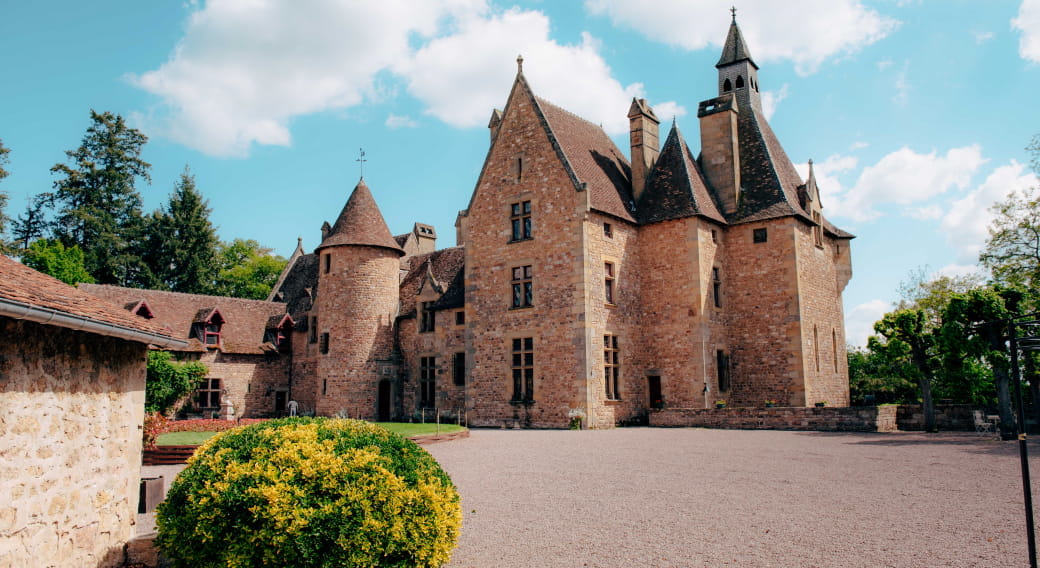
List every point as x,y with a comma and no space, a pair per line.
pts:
733,10
519,63
362,160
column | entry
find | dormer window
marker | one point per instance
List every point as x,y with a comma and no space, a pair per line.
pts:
279,332
207,327
140,309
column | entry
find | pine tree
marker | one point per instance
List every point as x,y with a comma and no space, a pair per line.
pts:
99,206
182,243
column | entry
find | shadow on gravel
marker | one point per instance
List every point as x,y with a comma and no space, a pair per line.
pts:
974,443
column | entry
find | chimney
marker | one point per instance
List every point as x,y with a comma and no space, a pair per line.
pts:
644,137
720,149
495,123
425,238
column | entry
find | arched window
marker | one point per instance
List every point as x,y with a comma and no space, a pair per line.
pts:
727,86
740,81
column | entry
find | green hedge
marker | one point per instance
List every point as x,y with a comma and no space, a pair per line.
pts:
309,492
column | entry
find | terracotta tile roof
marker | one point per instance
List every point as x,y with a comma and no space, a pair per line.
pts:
593,159
447,268
299,287
245,320
22,285
361,223
676,188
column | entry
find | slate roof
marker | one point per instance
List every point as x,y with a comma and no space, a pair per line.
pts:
675,187
447,268
360,223
593,158
22,285
735,49
243,329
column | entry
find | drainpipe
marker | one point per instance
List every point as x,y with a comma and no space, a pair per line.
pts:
47,316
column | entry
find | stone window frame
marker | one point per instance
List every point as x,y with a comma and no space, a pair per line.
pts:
834,348
312,332
428,381
460,317
209,390
716,286
520,222
427,317
723,370
521,287
458,368
608,230
611,367
610,282
759,235
817,229
522,368
323,343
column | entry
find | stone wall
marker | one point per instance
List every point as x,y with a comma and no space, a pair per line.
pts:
71,410
850,419
248,380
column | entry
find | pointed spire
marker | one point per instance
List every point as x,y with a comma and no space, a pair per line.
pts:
360,223
735,49
519,64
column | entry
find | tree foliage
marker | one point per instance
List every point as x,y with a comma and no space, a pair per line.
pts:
52,258
247,270
181,251
168,381
1012,251
4,219
99,207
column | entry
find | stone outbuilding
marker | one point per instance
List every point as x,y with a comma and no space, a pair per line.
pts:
72,375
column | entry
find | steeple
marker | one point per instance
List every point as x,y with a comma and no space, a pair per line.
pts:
738,73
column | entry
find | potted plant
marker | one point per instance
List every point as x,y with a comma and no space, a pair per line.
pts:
576,416
770,403
720,403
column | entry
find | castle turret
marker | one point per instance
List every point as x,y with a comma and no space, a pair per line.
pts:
645,143
358,298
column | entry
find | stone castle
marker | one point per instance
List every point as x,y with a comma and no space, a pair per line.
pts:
584,283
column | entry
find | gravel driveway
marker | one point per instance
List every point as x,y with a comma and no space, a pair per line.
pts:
693,497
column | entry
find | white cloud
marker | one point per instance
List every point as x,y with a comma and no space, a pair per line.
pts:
967,221
859,322
827,181
858,145
905,177
983,37
1028,22
244,69
837,27
398,121
669,110
463,76
926,213
884,64
771,99
959,270
902,85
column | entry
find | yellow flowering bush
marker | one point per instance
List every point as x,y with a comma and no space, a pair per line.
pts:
309,492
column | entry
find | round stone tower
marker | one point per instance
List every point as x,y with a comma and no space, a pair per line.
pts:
353,315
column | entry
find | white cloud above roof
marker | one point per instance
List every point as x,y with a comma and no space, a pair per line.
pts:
836,28
967,221
1028,23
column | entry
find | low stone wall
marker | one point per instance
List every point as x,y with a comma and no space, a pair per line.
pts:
947,417
849,419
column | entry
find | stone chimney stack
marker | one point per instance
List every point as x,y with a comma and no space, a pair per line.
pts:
495,123
645,141
425,237
720,149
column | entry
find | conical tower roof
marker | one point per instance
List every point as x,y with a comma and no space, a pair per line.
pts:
735,49
360,224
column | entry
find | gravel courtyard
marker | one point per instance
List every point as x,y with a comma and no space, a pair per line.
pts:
694,497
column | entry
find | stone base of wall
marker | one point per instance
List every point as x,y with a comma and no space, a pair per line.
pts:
849,419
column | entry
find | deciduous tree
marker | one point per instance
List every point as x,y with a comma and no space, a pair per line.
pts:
51,257
247,269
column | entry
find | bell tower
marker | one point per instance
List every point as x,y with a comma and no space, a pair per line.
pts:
738,73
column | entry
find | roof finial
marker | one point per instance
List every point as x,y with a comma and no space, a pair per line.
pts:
362,160
733,10
519,64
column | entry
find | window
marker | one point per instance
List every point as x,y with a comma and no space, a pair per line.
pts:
328,262
458,369
722,369
740,81
727,86
324,386
834,349
519,170
608,282
426,317
323,346
427,382
608,231
312,333
816,346
716,287
523,295
520,216
758,235
611,366
460,317
208,394
523,369
817,229
714,236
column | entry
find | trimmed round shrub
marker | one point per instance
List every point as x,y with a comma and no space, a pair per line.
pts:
309,492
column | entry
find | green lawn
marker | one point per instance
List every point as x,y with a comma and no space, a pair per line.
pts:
403,428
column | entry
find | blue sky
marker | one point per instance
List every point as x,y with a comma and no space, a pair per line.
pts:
916,113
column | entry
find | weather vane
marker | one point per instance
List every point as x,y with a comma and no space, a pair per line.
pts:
362,160
733,10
